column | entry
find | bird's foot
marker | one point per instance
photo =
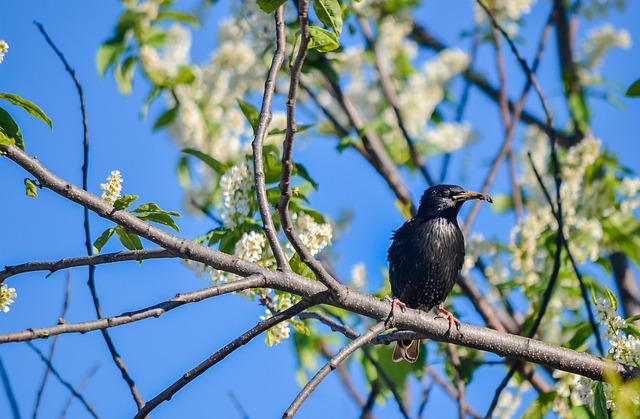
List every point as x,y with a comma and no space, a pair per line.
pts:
394,303
452,319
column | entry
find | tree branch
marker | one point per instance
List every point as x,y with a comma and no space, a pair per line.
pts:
8,389
64,382
222,354
343,354
260,134
287,163
476,337
64,263
255,281
389,93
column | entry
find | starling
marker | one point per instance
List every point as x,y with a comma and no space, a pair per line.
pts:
426,256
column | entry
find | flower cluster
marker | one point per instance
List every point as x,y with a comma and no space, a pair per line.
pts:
449,136
277,333
600,40
113,187
506,12
4,48
251,246
7,297
630,191
313,235
237,187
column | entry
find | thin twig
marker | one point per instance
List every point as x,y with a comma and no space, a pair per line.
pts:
464,99
64,263
52,350
583,287
510,131
344,376
255,281
62,381
367,409
343,354
287,163
260,134
389,93
88,243
79,388
221,354
378,155
238,405
340,327
460,385
450,390
8,389
426,39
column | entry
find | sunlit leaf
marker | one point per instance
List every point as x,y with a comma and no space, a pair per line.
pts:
32,188
103,239
217,166
10,131
250,112
270,6
322,40
129,240
28,106
329,13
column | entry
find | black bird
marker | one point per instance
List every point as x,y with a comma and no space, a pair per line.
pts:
426,256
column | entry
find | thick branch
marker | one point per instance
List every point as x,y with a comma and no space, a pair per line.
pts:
477,337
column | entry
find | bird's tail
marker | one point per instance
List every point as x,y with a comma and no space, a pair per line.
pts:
407,350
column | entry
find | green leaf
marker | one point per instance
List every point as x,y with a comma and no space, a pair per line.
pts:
153,94
215,235
32,188
152,207
304,173
624,233
185,76
103,239
322,40
179,16
270,6
129,240
581,412
600,401
299,267
124,202
297,207
160,218
540,406
184,177
108,54
634,89
28,106
124,74
228,241
250,112
166,118
273,195
581,333
329,13
10,131
217,166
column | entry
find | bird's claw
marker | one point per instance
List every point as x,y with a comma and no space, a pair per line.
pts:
452,319
394,303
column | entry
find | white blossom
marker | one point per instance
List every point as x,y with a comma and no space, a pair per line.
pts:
600,40
277,333
7,297
236,186
313,235
112,188
506,12
447,137
4,48
251,246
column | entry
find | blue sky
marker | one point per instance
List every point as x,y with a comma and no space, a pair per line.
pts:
158,351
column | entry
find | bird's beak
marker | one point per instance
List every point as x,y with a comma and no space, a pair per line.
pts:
468,195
